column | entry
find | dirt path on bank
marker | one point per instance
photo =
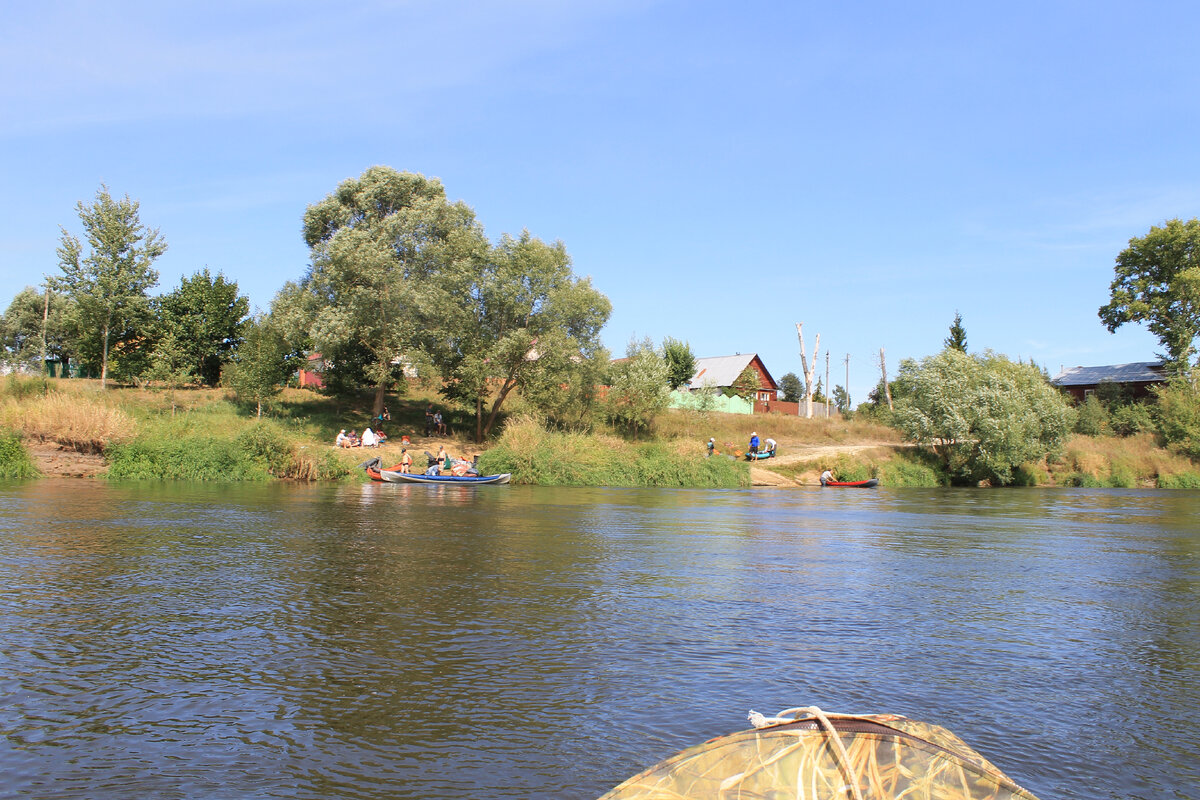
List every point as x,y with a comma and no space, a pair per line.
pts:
761,476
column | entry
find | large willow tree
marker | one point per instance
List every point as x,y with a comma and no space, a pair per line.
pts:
519,319
382,245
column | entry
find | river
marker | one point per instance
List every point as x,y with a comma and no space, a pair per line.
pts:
382,641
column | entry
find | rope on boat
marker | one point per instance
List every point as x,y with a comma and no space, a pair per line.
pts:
760,721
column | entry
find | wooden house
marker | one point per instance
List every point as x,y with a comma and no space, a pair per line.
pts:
1135,378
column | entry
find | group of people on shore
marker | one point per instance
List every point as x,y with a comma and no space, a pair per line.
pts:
756,445
369,438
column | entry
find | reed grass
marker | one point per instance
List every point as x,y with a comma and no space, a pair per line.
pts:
537,456
82,423
1122,462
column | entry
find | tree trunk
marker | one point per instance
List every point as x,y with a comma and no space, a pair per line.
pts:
508,387
887,390
104,360
379,392
479,419
260,409
808,373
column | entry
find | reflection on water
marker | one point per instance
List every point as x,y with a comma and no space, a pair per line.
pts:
412,641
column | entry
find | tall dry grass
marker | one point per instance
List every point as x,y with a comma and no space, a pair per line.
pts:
77,421
1118,461
784,428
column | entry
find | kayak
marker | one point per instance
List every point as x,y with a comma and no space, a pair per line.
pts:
392,476
759,456
806,753
871,484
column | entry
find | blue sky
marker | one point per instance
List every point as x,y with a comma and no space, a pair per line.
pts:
721,170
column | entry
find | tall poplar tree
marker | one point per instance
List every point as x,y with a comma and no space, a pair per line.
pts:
108,281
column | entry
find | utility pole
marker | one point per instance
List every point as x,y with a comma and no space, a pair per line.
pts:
847,386
827,392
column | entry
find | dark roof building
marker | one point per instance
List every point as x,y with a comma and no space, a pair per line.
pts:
1137,377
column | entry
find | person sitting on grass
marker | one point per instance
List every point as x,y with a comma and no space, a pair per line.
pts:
341,439
368,438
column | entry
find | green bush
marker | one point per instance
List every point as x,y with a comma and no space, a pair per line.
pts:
14,458
1093,417
1030,474
265,444
903,472
198,458
1180,480
1131,419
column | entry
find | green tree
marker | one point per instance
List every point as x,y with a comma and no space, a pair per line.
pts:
173,366
1178,415
982,415
793,387
261,365
681,362
745,385
1158,283
639,390
518,319
205,316
380,245
27,320
108,282
957,340
841,399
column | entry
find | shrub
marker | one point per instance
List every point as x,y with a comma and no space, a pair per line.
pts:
1180,480
14,458
1093,417
1131,419
197,458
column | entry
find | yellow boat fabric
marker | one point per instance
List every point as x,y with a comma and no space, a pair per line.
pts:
882,756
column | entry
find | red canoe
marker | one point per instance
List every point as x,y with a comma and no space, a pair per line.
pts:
871,484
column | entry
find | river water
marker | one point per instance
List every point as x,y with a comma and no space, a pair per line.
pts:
380,641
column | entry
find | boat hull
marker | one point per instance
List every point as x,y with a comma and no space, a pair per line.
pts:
391,476
871,484
893,757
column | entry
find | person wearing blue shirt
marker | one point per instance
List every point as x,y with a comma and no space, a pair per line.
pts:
754,442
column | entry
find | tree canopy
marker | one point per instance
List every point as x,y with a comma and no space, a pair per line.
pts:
1157,282
681,361
108,281
638,390
519,318
983,415
793,387
204,317
25,321
379,244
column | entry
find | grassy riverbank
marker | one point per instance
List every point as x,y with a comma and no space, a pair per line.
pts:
200,434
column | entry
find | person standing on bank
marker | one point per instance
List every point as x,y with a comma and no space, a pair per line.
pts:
712,443
754,442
